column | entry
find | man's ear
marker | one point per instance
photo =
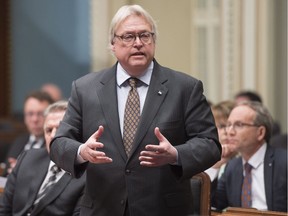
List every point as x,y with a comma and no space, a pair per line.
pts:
261,132
112,47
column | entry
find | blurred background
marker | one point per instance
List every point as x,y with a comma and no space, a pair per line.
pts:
231,45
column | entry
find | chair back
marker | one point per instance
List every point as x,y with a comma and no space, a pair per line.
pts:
200,187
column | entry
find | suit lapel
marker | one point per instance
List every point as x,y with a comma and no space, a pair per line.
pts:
107,93
268,176
40,168
238,180
52,194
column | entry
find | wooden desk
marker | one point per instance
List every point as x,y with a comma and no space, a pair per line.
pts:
233,211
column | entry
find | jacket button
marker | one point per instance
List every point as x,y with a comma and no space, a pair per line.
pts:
127,171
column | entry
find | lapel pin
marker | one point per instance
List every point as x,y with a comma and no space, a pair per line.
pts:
159,93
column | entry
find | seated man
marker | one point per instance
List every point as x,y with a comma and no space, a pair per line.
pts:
31,188
264,185
34,105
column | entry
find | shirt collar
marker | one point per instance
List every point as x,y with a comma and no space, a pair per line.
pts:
122,75
32,139
258,158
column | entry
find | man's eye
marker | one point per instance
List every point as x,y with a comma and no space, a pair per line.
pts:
128,37
145,35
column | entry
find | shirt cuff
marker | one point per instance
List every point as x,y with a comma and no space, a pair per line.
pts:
80,159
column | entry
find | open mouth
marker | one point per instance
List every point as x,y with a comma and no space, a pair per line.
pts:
138,54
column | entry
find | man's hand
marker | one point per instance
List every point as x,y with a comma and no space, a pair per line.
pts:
90,150
158,155
12,164
228,152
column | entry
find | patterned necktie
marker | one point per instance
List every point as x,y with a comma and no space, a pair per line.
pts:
246,199
131,116
54,170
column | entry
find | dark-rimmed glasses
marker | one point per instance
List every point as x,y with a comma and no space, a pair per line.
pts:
129,38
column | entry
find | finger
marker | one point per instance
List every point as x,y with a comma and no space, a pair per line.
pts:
151,153
147,164
101,160
153,148
98,133
95,145
158,134
147,159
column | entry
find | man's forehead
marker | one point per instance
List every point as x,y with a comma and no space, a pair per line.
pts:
242,111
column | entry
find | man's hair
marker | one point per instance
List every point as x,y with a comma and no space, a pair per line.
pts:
251,95
262,118
126,11
40,96
56,107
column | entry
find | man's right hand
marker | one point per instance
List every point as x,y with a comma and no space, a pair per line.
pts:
90,149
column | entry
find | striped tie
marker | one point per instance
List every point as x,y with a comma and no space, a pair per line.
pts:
131,116
246,200
54,170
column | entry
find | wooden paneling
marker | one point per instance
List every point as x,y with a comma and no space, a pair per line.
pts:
5,74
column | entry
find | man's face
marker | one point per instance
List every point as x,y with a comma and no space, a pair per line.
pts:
137,57
51,124
248,137
33,116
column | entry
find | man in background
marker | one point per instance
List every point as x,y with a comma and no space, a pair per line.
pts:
34,105
258,178
36,186
53,90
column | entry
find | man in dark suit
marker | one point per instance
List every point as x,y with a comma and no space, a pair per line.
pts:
249,129
176,137
31,173
34,105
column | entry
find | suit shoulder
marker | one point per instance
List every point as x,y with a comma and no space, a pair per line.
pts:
34,154
276,152
95,76
179,75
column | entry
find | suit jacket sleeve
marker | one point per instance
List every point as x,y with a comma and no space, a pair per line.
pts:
202,148
6,201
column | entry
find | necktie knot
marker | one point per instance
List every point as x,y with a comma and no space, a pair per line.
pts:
55,169
133,82
247,168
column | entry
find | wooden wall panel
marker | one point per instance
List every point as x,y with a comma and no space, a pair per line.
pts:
5,73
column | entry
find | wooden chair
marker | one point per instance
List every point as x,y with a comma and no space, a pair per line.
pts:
201,186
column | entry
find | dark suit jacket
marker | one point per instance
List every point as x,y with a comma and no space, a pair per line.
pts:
175,103
16,148
229,186
25,180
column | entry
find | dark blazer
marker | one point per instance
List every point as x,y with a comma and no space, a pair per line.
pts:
175,103
25,180
229,186
16,148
